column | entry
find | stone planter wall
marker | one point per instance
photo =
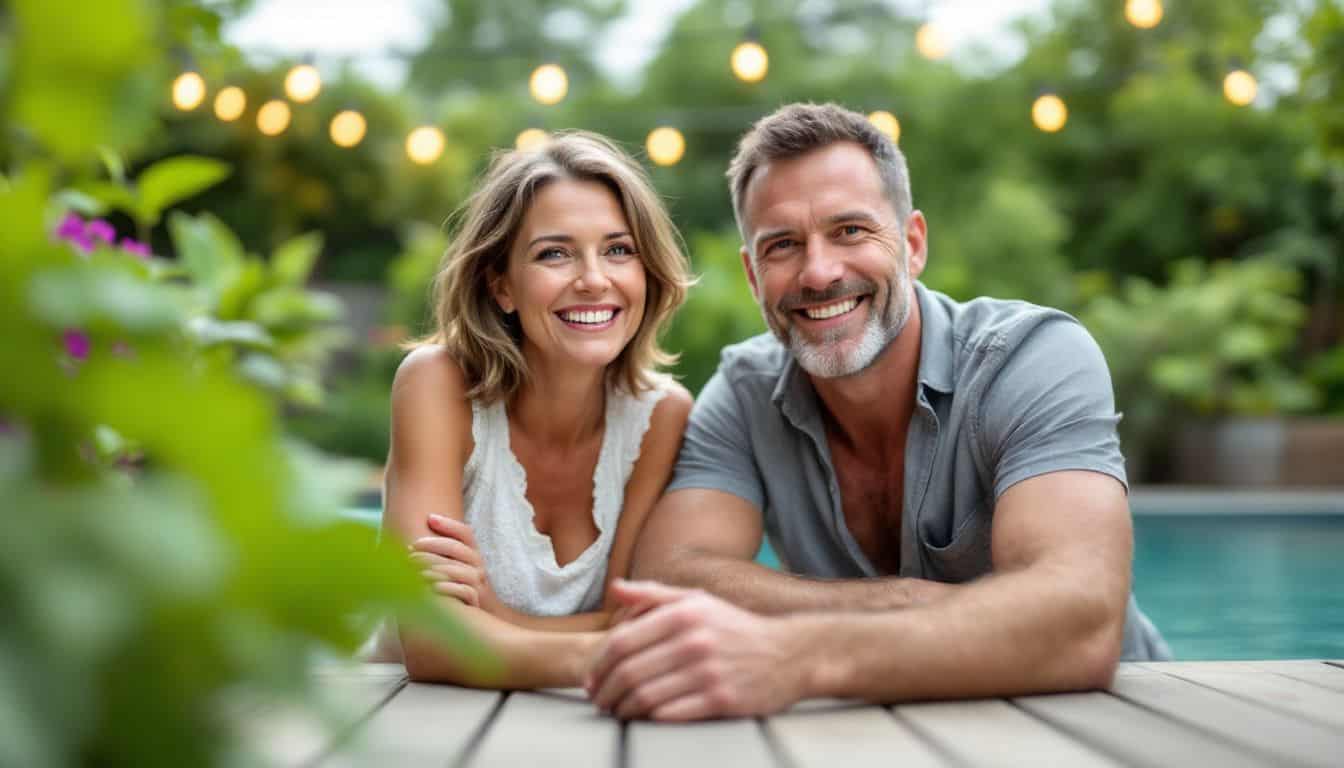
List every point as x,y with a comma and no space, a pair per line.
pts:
1260,453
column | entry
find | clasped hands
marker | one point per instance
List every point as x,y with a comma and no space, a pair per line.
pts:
670,654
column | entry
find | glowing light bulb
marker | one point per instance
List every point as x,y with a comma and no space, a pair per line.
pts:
1239,87
1144,14
1049,113
931,42
348,128
665,145
303,83
425,144
188,91
273,117
749,62
531,139
230,103
887,123
549,84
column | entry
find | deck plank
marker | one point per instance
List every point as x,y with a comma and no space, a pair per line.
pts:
286,735
1259,684
992,732
548,728
817,733
1134,735
423,725
737,743
1255,726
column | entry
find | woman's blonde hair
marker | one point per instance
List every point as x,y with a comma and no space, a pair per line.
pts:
484,340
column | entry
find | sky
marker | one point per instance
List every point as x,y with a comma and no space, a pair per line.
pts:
368,31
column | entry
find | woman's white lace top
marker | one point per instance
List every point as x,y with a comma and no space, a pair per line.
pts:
519,560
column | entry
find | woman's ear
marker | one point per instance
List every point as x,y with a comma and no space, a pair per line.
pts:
499,288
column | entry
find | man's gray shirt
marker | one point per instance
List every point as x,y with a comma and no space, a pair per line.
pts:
1006,391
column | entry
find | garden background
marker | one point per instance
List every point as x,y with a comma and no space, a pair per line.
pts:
191,305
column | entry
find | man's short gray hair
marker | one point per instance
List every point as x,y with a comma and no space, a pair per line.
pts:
796,129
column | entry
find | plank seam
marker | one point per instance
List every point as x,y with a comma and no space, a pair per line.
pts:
622,744
1081,736
1276,708
1339,664
1207,731
343,737
929,739
474,742
774,745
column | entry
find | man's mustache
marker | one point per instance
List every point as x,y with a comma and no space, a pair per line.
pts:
832,292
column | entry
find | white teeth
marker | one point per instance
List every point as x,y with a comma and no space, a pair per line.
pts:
831,310
592,318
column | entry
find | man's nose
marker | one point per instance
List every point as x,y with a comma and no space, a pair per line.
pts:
821,267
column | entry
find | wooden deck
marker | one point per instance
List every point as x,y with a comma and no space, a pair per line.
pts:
1193,713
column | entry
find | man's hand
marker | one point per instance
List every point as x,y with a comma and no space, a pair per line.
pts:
692,656
452,563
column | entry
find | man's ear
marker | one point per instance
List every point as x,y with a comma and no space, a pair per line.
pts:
917,243
499,288
751,272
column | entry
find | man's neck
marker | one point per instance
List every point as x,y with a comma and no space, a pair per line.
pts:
871,410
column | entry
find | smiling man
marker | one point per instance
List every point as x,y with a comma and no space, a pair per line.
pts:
942,481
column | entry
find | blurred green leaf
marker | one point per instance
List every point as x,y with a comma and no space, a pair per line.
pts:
209,252
294,259
173,180
208,331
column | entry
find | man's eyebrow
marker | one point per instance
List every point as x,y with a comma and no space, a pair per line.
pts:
856,215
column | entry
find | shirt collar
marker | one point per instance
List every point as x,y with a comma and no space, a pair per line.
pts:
794,394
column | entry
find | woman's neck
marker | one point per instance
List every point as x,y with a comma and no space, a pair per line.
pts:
560,408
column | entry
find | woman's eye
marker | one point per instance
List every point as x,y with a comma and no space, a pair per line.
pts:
550,254
621,249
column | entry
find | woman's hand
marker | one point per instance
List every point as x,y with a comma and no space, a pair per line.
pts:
452,564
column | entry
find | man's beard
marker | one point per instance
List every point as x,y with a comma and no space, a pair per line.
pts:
833,357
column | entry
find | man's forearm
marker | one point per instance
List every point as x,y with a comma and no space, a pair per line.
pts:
1012,633
765,590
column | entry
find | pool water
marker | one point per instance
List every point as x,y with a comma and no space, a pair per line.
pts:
1243,586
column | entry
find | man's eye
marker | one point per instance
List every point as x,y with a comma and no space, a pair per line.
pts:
851,230
778,245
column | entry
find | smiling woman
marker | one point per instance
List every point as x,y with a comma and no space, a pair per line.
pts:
531,433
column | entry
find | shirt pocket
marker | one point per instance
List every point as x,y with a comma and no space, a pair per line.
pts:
963,556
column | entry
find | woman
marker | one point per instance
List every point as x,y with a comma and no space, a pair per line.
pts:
531,434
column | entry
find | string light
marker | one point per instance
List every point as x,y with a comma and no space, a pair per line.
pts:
230,103
303,83
1239,87
887,123
1144,14
188,91
665,145
931,42
549,84
348,128
530,138
749,61
273,117
1049,113
425,144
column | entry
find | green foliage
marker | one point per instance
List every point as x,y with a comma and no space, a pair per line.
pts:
1214,340
719,309
138,600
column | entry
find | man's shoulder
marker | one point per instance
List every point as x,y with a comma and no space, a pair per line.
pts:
985,325
761,357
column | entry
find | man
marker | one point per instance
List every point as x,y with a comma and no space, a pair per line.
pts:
943,481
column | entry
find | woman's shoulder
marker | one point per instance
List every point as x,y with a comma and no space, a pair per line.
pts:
671,404
430,369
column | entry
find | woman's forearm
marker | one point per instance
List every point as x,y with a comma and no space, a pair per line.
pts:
528,658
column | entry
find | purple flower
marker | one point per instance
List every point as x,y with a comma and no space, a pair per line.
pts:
101,230
76,344
136,247
73,231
